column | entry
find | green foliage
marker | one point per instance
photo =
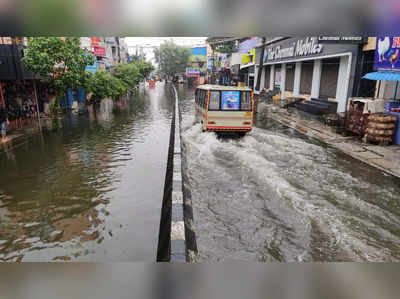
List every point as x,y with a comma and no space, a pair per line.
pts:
104,85
144,68
198,62
218,44
58,62
128,74
171,58
54,107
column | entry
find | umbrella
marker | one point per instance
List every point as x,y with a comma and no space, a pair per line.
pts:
385,76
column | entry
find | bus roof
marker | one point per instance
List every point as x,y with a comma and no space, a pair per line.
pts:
221,87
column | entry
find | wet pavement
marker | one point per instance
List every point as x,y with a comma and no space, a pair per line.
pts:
90,189
276,195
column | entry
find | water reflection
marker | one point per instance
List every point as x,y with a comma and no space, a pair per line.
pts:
73,195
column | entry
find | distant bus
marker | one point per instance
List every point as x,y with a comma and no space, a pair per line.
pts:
224,108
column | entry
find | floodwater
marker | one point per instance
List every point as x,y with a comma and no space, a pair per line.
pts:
90,190
275,195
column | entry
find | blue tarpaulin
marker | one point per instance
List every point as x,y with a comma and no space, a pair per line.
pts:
386,76
81,95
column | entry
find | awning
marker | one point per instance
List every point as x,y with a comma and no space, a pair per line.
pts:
246,65
386,76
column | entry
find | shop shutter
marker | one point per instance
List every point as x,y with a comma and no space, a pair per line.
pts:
329,77
290,76
306,77
267,76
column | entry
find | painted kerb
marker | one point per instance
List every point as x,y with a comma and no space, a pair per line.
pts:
178,240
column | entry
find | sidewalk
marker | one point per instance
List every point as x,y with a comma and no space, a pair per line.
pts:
29,129
385,158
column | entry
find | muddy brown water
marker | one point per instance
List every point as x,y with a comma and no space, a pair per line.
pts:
90,190
276,195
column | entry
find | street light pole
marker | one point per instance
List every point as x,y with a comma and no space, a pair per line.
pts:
37,104
3,102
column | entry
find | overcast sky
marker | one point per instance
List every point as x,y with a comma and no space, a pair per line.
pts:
149,42
156,41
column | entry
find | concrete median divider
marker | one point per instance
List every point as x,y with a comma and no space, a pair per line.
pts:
173,245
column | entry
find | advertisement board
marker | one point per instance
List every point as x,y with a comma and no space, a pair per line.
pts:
95,41
99,51
230,100
210,64
342,39
387,54
192,72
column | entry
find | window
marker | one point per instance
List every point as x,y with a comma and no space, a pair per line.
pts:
214,100
245,101
202,98
230,100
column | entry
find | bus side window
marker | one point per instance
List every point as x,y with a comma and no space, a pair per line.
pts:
214,100
245,101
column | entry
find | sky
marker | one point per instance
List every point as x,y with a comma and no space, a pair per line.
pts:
156,41
149,42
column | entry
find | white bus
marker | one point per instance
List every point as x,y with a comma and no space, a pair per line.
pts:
224,108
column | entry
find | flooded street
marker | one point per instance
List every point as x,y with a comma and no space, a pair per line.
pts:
275,195
90,190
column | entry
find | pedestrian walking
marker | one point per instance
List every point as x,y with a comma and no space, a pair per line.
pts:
3,123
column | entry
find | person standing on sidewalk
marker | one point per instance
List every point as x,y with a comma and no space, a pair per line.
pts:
3,123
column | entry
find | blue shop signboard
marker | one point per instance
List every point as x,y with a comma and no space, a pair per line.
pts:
387,54
91,68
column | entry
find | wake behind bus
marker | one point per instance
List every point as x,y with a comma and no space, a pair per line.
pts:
224,108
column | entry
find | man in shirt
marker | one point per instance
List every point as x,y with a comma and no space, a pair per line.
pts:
3,123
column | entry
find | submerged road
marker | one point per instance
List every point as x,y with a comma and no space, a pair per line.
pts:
275,195
90,190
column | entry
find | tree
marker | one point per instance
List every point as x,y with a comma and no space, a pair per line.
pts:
222,46
59,62
171,58
104,85
128,73
132,73
144,68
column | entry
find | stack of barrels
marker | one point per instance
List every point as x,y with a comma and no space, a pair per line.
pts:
380,128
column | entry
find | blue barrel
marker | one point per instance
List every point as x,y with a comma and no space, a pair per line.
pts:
63,102
396,137
70,97
81,95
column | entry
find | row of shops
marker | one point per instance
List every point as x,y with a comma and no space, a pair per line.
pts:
314,67
360,76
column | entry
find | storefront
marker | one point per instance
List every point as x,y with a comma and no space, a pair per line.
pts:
312,67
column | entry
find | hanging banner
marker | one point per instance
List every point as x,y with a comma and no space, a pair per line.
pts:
99,51
387,54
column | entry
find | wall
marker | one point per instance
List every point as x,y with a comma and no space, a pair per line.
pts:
247,45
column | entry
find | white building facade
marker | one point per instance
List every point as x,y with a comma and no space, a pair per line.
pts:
310,67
